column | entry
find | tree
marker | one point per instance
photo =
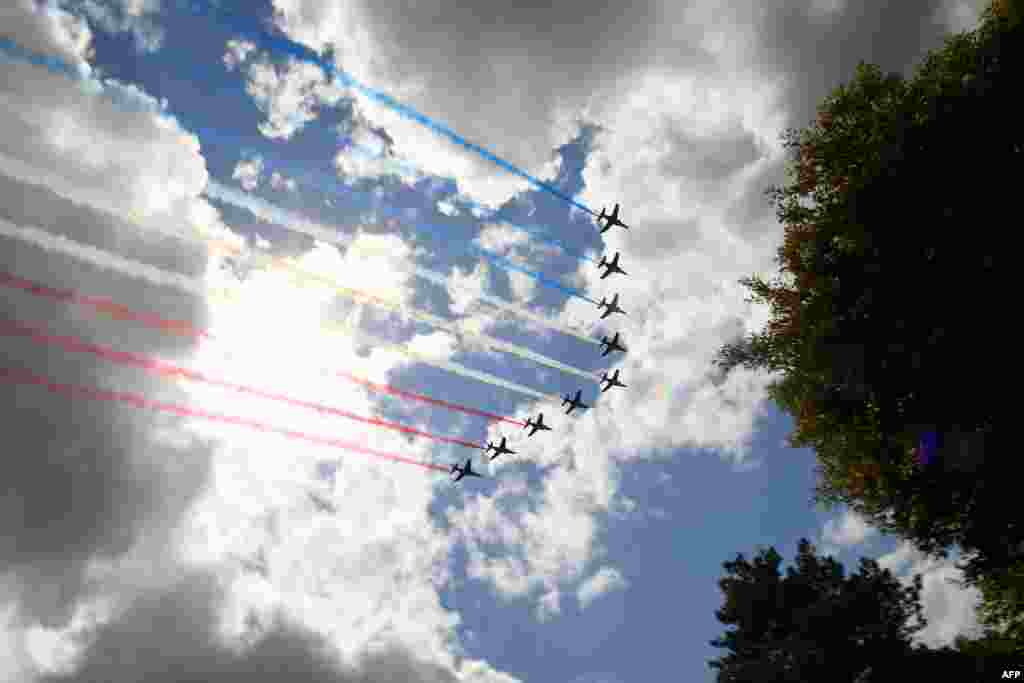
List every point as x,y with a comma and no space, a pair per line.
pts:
893,226
815,624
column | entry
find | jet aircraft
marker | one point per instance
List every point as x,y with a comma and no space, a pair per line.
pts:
574,402
613,381
610,308
612,345
466,469
612,266
612,220
538,425
499,449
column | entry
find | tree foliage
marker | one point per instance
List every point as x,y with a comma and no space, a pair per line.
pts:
895,219
815,623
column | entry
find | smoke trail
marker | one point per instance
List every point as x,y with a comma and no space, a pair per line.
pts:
54,64
456,368
498,260
396,165
152,365
102,259
19,376
384,388
283,44
267,211
399,307
185,328
263,209
143,271
106,306
430,319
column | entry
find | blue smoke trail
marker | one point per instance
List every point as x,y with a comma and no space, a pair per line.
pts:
497,259
217,192
62,68
54,64
289,47
536,231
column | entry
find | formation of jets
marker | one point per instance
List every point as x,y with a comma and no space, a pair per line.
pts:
465,470
536,426
610,308
612,266
500,449
612,220
613,381
611,345
572,401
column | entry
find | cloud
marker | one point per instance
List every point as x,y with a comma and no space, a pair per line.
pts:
175,635
127,16
464,289
79,138
92,480
289,94
605,580
686,103
949,609
247,173
237,53
120,526
849,530
54,31
280,182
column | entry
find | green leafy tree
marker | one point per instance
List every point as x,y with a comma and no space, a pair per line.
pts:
895,219
815,623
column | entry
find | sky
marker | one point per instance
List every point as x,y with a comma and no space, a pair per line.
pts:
270,268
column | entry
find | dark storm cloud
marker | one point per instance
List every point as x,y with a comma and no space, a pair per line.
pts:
508,66
172,636
710,159
664,239
83,479
815,54
498,72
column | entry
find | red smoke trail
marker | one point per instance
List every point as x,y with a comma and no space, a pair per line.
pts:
116,310
17,376
185,328
426,399
14,328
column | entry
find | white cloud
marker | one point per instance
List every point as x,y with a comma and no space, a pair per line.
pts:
237,53
289,94
247,173
368,575
849,530
949,609
681,310
280,182
53,31
523,286
501,237
605,580
464,289
127,16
